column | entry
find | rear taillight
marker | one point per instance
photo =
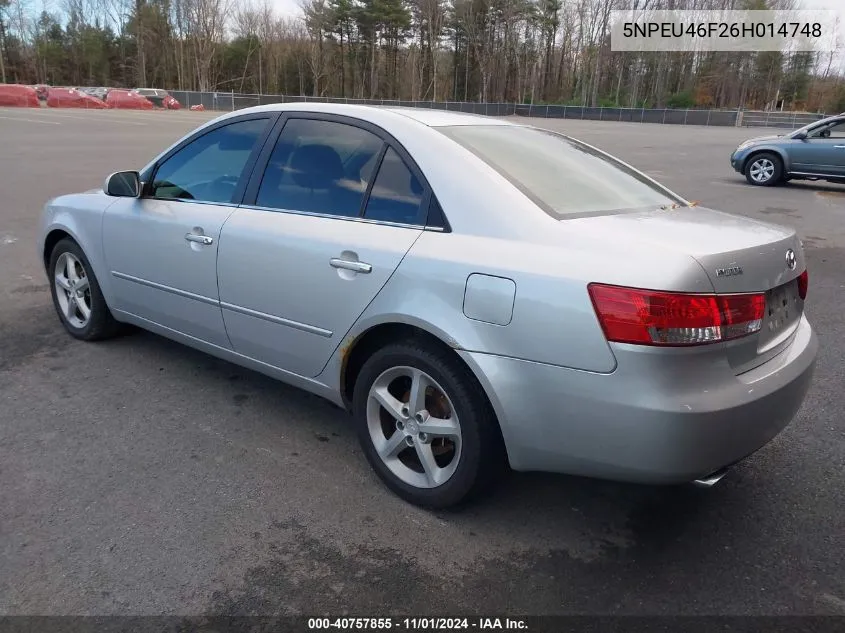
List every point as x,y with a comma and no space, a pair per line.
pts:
803,284
651,317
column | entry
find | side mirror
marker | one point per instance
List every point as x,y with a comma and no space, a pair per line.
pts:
800,136
123,184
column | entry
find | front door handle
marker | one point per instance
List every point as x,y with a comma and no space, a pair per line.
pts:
358,267
199,239
839,146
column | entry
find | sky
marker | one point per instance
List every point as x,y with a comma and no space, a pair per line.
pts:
290,7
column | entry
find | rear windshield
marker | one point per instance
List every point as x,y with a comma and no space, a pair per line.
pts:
563,176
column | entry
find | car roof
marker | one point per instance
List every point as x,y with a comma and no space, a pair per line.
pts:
439,118
427,116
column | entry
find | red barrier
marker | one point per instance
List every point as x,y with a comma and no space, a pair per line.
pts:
70,98
18,96
198,108
127,100
170,103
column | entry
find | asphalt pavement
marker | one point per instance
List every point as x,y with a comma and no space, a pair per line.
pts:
140,477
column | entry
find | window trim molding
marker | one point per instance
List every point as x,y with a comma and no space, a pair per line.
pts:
365,201
346,218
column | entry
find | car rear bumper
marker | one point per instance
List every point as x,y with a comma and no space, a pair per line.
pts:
658,418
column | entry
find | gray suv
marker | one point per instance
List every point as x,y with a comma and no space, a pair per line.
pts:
813,152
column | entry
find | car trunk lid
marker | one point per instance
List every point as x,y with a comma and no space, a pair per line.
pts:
738,254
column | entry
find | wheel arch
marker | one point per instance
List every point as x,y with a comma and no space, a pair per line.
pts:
84,232
780,153
354,353
52,238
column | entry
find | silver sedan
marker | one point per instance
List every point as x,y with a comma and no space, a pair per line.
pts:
476,293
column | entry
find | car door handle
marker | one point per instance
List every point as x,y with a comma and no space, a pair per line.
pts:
358,267
199,239
839,146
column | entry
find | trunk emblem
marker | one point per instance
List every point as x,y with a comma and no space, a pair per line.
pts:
729,271
791,260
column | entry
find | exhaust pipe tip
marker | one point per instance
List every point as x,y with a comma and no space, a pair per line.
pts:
710,480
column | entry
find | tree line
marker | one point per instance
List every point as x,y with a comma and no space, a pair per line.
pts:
530,51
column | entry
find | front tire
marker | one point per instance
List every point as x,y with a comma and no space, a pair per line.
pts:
77,296
425,425
764,170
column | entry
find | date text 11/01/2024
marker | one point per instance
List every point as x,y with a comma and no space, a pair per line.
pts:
417,624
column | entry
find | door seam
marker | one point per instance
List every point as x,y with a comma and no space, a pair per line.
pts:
366,307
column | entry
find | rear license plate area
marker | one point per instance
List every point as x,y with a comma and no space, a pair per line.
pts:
783,311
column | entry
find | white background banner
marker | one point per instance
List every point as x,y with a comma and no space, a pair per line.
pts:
786,31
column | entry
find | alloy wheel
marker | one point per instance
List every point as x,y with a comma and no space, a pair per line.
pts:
414,427
73,292
762,170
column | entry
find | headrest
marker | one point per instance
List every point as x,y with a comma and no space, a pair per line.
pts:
316,166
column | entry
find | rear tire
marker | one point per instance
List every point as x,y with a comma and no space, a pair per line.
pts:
764,169
439,461
77,297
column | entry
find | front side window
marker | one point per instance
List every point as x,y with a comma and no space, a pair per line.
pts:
830,130
209,168
564,177
319,167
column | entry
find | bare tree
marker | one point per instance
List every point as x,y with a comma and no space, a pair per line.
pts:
317,20
205,22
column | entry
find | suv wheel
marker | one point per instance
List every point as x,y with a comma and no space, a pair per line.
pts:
764,170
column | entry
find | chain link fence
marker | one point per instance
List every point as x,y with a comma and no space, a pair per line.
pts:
788,120
228,101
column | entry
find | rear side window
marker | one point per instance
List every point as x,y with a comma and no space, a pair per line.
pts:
209,168
319,167
396,195
564,177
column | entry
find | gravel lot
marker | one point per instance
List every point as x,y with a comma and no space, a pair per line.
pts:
140,477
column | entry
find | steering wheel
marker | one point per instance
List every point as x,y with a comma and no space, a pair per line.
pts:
217,189
224,183
220,180
176,193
